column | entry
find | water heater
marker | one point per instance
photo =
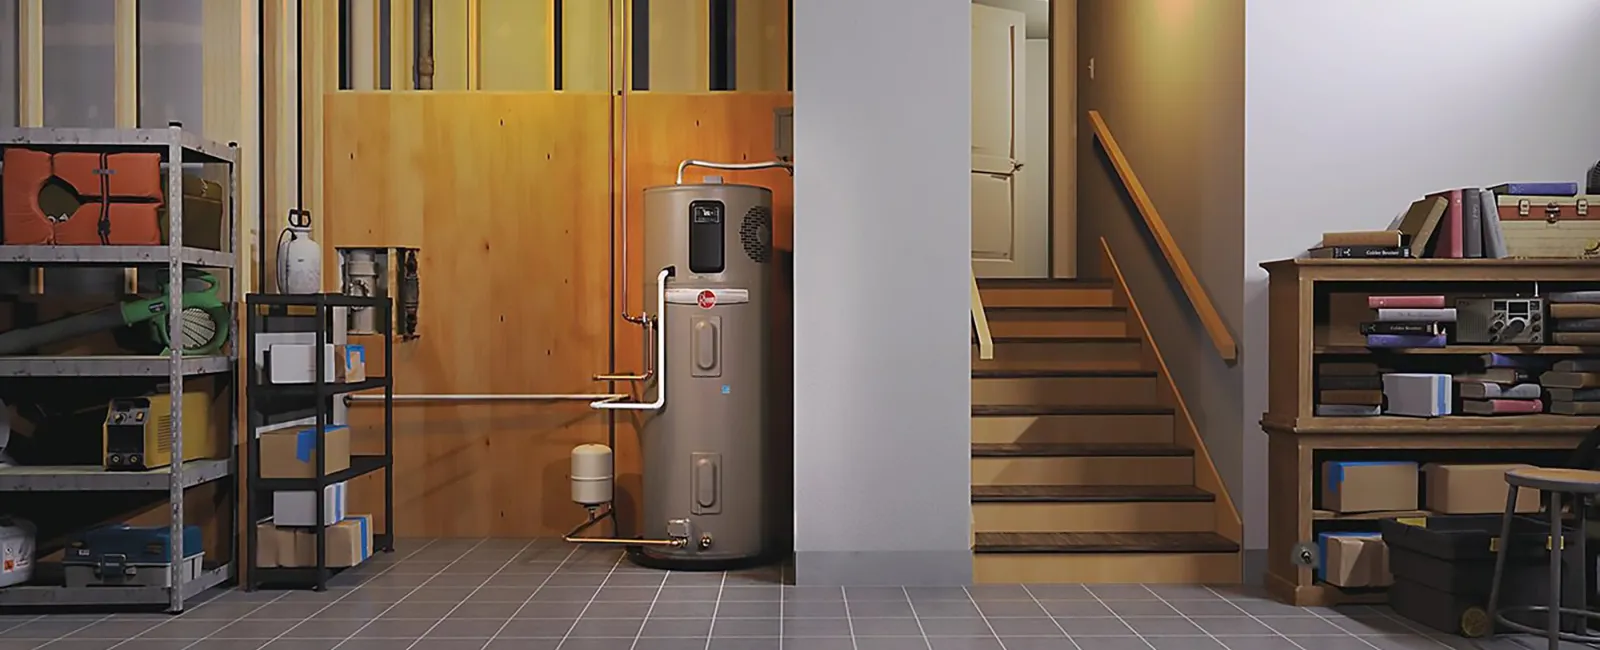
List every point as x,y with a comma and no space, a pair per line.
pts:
705,452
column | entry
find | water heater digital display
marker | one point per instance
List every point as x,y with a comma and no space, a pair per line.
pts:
706,237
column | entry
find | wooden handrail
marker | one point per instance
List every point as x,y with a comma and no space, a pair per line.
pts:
980,323
1210,318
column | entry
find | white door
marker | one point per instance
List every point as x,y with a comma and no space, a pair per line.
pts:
1008,238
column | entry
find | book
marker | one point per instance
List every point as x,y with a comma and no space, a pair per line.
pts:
1487,390
1420,222
1575,408
1502,406
1363,382
1575,394
1445,315
1359,252
1555,379
1424,329
1348,410
1362,397
1405,341
1347,369
1575,310
1448,242
1578,325
1576,338
1494,235
1405,302
1384,238
1558,188
1525,362
1496,376
1577,365
1573,296
1471,224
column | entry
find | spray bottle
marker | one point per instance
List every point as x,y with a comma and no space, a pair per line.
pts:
299,257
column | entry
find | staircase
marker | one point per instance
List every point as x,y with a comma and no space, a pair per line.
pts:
1082,468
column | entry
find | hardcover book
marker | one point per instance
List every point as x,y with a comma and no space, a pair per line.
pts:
1359,252
1445,315
1575,394
1488,390
1405,341
1559,188
1502,406
1406,302
1423,329
1421,221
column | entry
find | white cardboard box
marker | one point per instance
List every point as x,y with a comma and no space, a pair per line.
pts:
299,507
290,363
1417,394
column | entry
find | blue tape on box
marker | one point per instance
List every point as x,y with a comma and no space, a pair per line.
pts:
1322,550
1337,468
366,536
305,442
1441,394
356,351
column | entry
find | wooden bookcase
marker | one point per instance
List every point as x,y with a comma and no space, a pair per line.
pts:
1299,441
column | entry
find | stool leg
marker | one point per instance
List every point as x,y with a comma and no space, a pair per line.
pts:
1500,556
1580,562
1553,627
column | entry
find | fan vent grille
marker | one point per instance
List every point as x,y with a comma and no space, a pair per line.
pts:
755,232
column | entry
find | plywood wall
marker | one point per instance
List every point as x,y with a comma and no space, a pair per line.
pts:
515,200
508,196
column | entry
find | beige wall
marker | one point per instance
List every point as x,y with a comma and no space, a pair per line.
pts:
1169,80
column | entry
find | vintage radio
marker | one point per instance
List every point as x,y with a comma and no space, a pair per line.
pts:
1550,226
1500,321
138,431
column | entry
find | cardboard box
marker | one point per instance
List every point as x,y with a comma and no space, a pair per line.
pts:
1417,394
349,544
355,363
299,507
1354,560
1473,489
1369,486
293,454
290,363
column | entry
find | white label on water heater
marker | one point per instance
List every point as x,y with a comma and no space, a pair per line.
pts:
683,296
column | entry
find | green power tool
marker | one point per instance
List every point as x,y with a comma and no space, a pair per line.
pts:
205,321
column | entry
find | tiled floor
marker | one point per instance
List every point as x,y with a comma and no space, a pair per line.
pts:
544,595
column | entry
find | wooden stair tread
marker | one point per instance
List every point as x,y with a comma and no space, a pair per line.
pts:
1042,283
1023,410
1103,543
1063,449
1068,373
1089,494
1065,339
1022,310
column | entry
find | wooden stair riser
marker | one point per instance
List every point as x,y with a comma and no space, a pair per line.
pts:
1084,470
1054,391
1106,568
1066,322
1111,517
1073,428
1063,355
1047,297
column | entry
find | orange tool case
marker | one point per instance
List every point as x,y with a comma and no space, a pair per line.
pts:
100,198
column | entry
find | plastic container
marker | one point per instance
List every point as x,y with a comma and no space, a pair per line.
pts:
16,551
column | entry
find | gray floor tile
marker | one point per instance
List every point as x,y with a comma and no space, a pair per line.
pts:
448,644
679,609
150,644
249,629
892,643
606,627
483,610
945,608
1076,627
538,609
395,629
1141,608
691,593
1122,592
113,629
746,627
1232,626
865,627
1038,643
1331,643
302,644
536,628
513,644
81,644
1011,608
744,643
676,627
324,629
1060,592
958,643
1183,643
1165,626
1075,608
734,593
859,594
924,594
752,609
817,644
999,592
1041,626
1111,643
1295,626
814,609
956,627
814,627
1257,643
880,608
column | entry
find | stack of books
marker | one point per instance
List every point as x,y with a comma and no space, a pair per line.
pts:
1505,387
1408,322
1349,389
1574,386
1577,317
1361,244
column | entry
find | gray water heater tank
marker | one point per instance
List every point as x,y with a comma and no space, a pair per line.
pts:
705,453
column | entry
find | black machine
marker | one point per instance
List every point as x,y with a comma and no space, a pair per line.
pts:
1500,321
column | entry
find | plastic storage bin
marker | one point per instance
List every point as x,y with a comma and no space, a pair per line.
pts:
16,551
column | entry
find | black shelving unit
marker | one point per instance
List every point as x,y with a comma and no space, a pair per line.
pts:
266,401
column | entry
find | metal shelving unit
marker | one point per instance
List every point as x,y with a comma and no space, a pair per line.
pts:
322,392
176,147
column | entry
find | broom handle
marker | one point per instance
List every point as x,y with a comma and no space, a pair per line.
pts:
22,340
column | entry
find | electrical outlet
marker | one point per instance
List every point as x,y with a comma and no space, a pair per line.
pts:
1091,68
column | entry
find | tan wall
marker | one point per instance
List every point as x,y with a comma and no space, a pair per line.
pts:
1169,80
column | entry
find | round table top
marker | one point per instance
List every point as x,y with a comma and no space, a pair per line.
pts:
1555,479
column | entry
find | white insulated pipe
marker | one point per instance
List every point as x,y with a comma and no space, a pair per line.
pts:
661,355
774,164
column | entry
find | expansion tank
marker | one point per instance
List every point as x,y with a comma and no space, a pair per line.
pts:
706,452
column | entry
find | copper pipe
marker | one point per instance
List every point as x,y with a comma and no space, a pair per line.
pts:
649,358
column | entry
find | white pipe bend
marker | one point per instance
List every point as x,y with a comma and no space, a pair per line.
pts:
774,164
661,356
